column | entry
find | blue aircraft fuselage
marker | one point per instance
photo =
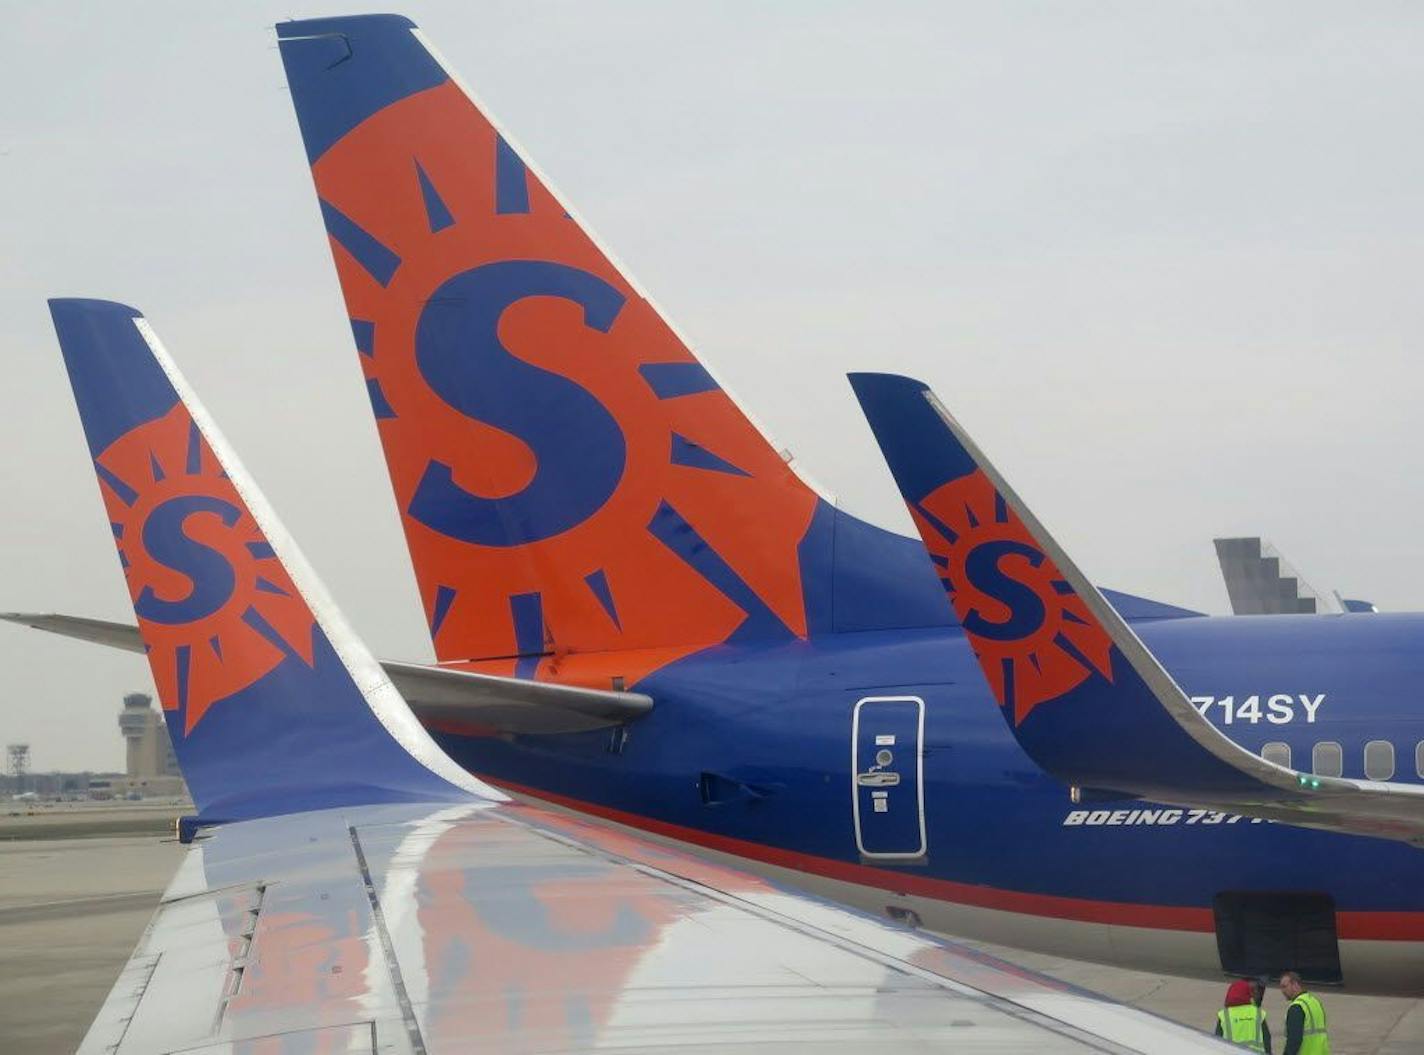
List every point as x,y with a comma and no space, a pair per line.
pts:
808,759
572,480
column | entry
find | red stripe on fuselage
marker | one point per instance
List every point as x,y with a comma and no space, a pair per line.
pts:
1371,926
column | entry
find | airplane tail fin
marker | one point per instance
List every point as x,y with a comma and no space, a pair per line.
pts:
569,476
1081,693
273,704
1260,581
1072,679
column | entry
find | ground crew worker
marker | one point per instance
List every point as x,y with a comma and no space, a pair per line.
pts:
1241,1019
1258,996
1305,1019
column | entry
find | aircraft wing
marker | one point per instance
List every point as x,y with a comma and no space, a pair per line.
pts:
348,888
435,693
1074,681
410,929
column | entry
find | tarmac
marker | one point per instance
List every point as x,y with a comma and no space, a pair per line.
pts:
72,908
71,912
1359,1025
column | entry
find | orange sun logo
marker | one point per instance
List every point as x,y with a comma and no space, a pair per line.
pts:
569,477
1032,634
216,610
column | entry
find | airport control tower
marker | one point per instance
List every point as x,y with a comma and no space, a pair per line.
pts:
18,764
150,751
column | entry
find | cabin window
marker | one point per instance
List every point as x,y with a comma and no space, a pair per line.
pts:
1277,752
1326,759
1379,760
1419,759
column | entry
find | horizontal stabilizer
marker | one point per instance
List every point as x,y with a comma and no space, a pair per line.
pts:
123,636
511,705
273,704
1072,679
505,705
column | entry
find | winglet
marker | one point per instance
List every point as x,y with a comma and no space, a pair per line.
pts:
1075,684
273,703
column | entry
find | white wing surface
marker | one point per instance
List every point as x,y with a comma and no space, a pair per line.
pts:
508,929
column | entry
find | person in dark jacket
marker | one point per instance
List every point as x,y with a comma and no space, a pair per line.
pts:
1258,996
1305,1019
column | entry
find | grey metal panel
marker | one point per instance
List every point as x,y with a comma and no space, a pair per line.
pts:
512,705
509,929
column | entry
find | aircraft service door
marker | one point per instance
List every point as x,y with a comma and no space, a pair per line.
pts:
887,776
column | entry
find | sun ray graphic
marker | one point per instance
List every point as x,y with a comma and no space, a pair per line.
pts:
216,610
1033,636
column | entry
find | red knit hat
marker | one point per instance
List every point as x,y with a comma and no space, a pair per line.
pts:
1238,993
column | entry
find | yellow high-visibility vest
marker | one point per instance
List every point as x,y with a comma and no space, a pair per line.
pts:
1242,1025
1314,1041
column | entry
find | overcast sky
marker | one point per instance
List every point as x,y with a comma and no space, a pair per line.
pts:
1163,260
